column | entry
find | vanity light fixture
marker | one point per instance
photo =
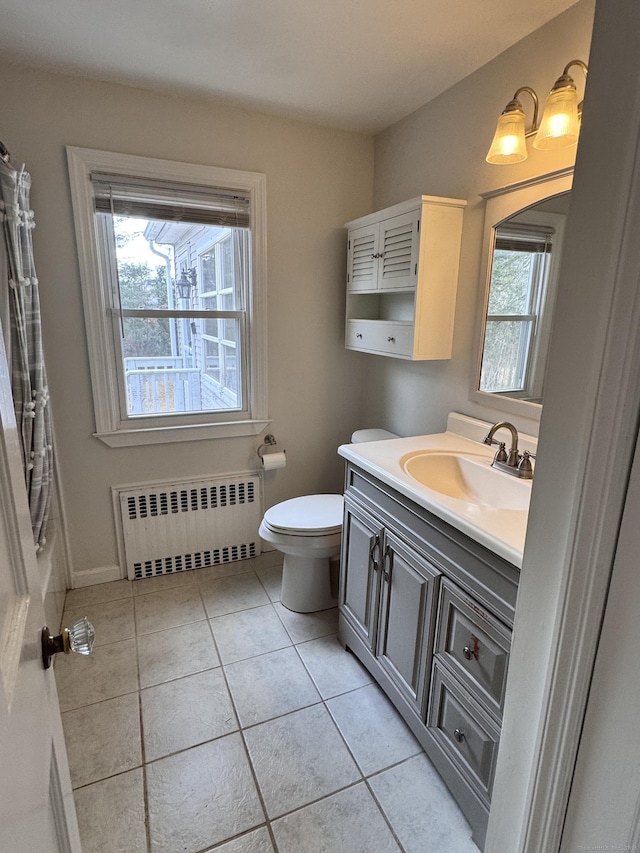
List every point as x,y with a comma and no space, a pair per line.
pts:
560,125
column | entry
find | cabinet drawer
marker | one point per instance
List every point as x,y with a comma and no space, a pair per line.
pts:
467,735
474,644
382,336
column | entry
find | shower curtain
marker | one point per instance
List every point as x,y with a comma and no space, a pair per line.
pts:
20,320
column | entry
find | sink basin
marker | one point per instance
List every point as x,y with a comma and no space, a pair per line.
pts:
467,478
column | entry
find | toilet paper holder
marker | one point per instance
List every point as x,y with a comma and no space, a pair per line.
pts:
269,441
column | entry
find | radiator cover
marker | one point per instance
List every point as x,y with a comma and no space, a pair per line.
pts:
182,525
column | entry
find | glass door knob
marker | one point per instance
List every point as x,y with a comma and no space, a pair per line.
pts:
78,638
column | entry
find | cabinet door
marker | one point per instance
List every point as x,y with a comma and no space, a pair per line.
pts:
399,251
362,258
406,619
360,575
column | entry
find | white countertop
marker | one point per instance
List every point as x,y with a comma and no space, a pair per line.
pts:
500,530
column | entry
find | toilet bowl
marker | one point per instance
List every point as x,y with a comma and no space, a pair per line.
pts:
308,531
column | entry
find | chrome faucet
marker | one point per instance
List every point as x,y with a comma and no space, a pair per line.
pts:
514,462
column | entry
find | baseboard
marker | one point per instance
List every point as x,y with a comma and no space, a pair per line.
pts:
99,574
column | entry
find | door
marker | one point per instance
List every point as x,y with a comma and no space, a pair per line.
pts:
362,258
406,621
399,245
604,805
359,577
36,801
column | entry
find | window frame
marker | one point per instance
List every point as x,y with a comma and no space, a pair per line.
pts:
103,349
539,282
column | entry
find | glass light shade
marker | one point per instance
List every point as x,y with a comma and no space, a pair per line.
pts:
560,125
509,145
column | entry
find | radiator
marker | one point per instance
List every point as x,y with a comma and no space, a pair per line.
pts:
178,526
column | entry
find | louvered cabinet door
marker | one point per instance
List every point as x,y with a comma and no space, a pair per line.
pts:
363,259
398,262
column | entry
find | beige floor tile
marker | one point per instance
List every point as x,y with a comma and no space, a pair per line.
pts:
98,594
143,586
269,685
257,841
186,712
109,671
165,655
201,797
298,759
112,620
271,579
420,809
168,608
228,595
347,822
372,728
266,559
111,815
308,626
103,739
223,570
333,669
248,633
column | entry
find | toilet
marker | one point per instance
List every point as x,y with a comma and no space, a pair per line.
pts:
308,531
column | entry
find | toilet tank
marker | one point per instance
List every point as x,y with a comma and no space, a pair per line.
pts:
362,435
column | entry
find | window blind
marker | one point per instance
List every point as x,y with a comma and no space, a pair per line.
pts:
526,238
149,199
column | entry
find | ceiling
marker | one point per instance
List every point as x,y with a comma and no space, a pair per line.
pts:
353,64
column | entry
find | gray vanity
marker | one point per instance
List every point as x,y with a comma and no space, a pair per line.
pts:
429,610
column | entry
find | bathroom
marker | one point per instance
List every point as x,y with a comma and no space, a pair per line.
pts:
317,179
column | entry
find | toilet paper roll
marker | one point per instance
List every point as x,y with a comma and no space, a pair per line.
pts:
274,460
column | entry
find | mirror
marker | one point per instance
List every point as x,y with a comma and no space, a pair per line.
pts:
522,247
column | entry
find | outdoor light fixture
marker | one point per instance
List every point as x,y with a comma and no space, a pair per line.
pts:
186,282
559,128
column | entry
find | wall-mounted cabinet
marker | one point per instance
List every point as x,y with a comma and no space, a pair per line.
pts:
402,277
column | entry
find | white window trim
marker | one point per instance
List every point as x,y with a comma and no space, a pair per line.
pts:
109,427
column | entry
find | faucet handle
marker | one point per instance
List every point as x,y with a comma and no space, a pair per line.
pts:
501,453
525,469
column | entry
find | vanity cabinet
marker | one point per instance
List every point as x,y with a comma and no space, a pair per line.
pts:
429,612
402,274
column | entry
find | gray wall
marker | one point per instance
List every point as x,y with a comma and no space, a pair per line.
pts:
440,150
317,179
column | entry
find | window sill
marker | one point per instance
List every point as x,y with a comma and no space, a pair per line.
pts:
189,432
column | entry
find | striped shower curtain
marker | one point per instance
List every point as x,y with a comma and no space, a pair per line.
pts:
20,318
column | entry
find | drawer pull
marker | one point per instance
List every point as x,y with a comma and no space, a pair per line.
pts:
472,650
391,340
459,735
359,335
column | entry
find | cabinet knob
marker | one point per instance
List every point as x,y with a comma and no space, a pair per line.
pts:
78,638
459,735
359,335
472,649
391,340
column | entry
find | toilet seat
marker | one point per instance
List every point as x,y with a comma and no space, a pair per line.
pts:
310,515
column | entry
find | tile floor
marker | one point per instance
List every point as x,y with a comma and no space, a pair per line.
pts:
209,717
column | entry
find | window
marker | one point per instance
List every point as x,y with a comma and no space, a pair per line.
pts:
519,277
172,261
